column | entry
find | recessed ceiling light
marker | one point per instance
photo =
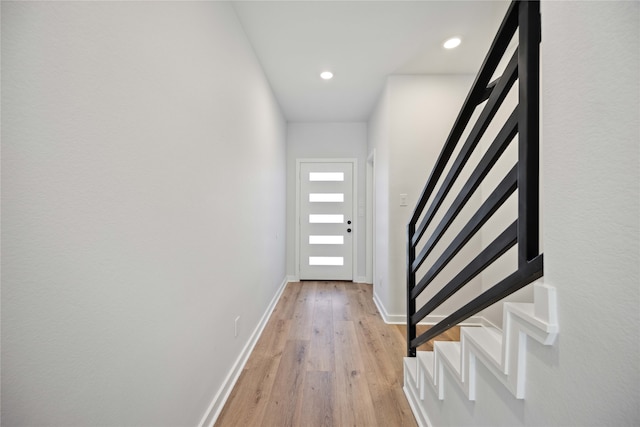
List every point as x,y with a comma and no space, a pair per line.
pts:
453,42
326,75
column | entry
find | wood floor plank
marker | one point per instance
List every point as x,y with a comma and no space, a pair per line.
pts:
351,387
341,303
382,379
284,402
317,404
389,411
382,368
287,304
346,345
382,372
302,318
394,344
271,342
364,300
321,350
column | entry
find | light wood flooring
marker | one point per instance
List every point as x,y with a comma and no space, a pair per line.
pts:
325,358
452,334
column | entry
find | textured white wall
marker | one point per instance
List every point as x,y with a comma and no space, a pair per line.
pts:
591,135
327,141
143,208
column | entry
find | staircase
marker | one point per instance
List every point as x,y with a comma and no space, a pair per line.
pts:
436,383
502,353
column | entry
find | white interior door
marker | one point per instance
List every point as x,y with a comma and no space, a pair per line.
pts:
326,221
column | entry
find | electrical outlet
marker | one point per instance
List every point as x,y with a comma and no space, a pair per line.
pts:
236,325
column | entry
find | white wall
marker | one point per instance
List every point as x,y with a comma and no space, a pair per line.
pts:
378,145
139,140
408,128
591,134
327,141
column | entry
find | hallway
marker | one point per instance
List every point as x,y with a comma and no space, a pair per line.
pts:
325,358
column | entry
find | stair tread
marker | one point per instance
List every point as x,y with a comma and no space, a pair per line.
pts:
488,340
527,312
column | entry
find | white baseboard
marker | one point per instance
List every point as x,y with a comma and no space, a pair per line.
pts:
472,321
388,319
487,323
401,319
359,279
214,409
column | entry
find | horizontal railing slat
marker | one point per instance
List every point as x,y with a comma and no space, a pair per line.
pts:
488,208
499,144
495,100
499,246
515,281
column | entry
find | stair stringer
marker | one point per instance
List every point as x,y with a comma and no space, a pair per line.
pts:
502,352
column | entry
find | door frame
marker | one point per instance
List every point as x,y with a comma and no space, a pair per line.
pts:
354,208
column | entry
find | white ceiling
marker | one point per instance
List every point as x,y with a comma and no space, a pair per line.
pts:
361,42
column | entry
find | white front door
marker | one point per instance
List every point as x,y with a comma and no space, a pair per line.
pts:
326,221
